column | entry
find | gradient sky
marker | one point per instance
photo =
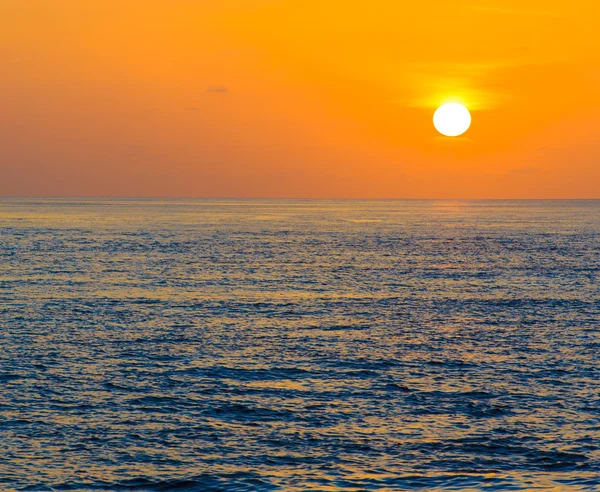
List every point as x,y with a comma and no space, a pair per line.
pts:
299,98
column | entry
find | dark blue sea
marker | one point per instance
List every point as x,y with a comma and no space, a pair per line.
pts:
240,345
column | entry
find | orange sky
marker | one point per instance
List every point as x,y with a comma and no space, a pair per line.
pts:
299,98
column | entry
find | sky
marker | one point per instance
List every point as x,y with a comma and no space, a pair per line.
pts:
298,98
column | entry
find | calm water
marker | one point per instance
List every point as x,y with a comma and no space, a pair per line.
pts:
297,345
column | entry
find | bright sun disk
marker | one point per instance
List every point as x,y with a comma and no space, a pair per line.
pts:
452,119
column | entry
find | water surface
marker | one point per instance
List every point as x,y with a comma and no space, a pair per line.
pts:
298,345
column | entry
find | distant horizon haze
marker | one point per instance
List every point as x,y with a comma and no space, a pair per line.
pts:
288,198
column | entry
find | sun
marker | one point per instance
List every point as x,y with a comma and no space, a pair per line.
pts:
452,119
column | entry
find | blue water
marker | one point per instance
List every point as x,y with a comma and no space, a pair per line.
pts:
299,345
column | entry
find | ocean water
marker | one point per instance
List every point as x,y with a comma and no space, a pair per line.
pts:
299,345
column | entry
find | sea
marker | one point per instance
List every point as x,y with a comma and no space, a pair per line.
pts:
331,345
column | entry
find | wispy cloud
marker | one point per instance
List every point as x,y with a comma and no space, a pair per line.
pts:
217,89
430,84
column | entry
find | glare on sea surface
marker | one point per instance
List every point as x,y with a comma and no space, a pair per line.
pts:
452,119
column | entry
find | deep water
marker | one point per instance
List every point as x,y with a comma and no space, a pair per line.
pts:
299,345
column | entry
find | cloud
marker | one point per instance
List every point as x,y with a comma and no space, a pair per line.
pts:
430,84
217,88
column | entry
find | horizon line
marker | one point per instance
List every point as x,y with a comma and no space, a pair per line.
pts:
194,197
